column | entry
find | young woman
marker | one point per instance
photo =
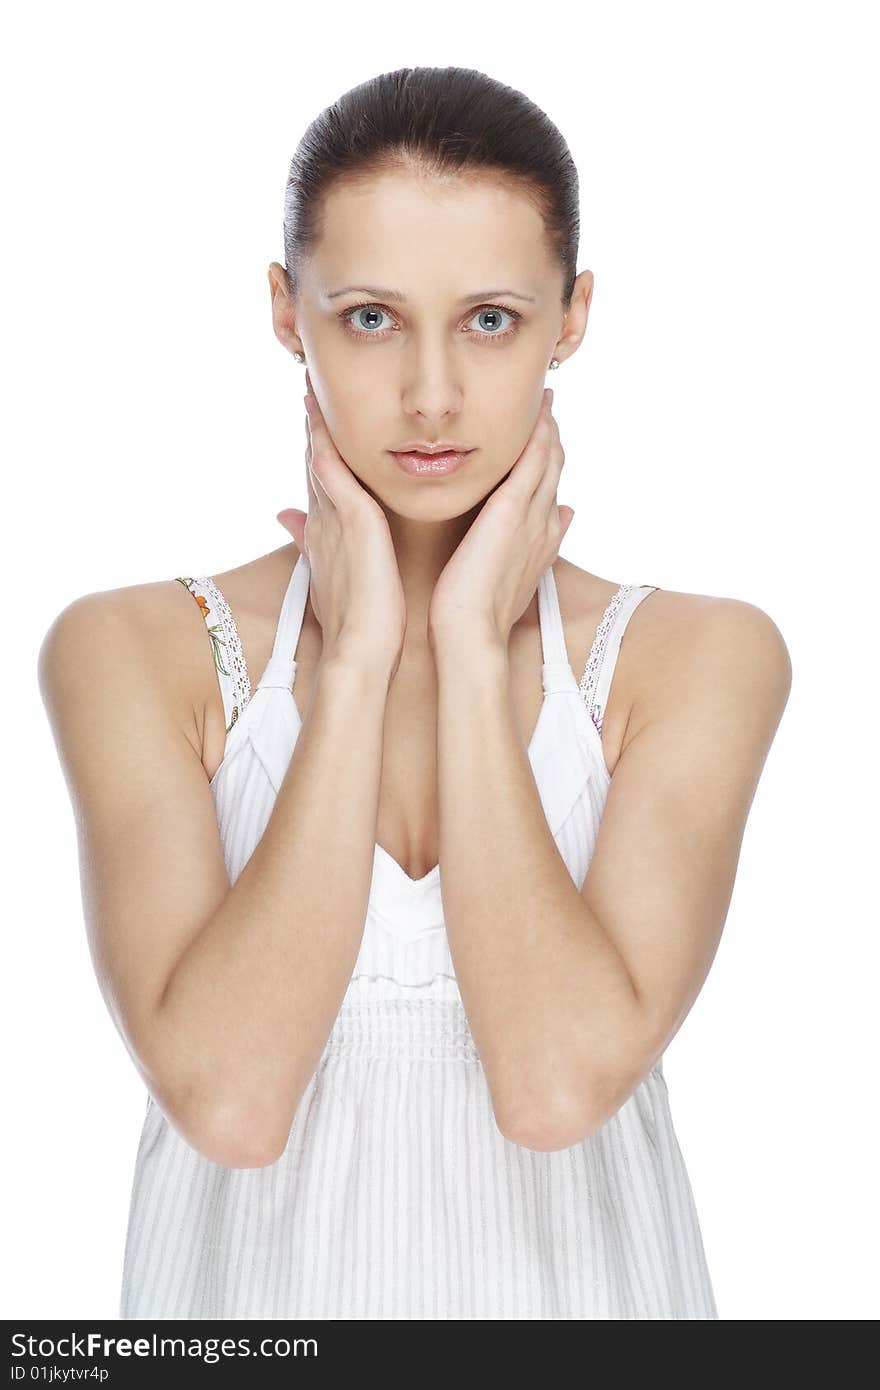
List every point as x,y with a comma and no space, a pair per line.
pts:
400,869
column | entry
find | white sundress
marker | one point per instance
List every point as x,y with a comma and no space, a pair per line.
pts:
397,1196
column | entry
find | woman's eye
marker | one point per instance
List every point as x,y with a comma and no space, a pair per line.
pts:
493,315
365,321
366,316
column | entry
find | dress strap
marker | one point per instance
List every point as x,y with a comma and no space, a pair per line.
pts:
595,683
229,663
556,673
281,670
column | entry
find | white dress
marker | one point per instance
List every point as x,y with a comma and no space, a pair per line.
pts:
397,1196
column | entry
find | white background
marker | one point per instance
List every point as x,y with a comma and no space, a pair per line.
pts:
720,427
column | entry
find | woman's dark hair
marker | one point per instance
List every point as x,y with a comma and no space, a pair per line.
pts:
436,121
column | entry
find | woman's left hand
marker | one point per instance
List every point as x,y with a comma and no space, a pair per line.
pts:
492,576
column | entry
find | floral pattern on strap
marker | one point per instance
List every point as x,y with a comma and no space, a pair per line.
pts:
226,645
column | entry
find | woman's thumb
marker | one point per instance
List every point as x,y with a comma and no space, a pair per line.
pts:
294,521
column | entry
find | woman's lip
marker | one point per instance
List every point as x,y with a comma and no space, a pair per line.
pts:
431,465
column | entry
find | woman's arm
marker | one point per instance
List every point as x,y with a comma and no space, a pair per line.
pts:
224,995
572,996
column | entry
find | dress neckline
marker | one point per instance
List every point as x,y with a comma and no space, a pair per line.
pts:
557,677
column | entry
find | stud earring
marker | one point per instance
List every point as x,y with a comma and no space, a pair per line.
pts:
554,362
299,357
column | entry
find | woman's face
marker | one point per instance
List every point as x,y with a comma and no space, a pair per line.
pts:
460,356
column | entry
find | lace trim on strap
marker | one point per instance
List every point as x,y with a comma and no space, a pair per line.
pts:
587,683
229,661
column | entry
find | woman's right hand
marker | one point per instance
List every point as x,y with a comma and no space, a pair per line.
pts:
355,587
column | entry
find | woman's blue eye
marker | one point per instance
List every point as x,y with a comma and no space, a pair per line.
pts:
490,313
362,319
365,311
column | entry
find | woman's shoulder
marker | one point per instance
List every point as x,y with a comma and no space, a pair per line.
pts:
254,590
584,600
671,615
160,626
673,637
669,636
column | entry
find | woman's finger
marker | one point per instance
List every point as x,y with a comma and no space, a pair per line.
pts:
314,504
544,496
314,498
308,451
327,463
318,490
316,461
528,471
321,499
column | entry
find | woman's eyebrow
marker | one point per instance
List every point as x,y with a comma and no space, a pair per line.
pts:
400,297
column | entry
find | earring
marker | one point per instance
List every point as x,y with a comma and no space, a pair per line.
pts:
299,357
554,362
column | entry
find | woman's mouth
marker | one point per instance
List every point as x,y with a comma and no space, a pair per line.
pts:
431,465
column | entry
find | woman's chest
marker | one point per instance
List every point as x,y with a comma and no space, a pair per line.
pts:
407,822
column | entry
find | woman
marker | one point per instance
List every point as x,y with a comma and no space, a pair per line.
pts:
373,1094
